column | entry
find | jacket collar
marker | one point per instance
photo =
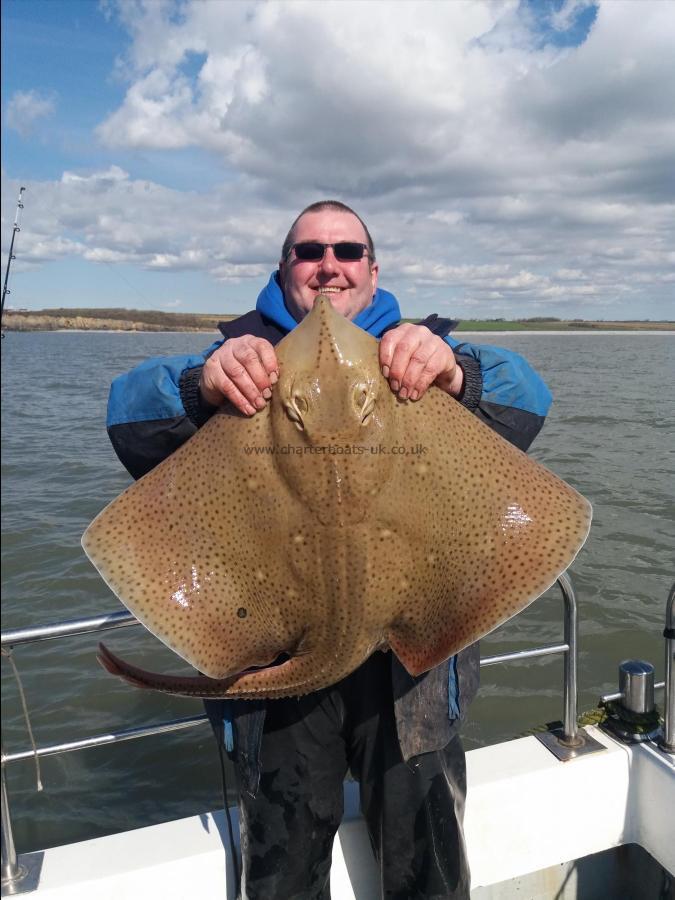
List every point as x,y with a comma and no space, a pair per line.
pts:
383,312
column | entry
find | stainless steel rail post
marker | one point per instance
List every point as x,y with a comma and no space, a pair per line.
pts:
571,741
668,740
11,870
570,736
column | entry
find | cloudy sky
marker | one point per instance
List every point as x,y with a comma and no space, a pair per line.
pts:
511,158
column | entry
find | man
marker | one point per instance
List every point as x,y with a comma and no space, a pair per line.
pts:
398,735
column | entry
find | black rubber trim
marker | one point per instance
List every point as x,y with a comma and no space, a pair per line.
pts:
472,388
197,410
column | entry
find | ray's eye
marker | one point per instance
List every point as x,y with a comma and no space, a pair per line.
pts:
365,402
295,409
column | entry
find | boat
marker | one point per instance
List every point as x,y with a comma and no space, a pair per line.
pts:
574,810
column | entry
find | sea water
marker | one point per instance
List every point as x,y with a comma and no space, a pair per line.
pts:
609,434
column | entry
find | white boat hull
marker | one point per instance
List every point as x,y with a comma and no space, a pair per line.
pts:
526,812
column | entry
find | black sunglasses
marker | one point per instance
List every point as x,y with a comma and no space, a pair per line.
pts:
313,251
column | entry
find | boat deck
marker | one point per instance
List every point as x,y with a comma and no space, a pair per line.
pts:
529,817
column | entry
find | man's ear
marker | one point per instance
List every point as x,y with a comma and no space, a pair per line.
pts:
374,270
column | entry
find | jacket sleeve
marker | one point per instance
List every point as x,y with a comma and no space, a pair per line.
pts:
503,390
155,408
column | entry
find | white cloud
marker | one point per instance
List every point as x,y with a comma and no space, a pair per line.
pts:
25,108
96,180
108,217
490,164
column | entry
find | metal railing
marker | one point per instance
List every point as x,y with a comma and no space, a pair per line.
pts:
570,734
569,737
89,625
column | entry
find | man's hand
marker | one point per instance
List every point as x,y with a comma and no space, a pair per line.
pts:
242,371
412,358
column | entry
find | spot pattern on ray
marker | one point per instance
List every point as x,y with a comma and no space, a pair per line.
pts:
254,540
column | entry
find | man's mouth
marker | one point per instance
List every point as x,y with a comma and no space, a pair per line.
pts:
326,289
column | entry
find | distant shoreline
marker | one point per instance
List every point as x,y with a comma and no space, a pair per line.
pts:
110,320
584,332
131,320
215,333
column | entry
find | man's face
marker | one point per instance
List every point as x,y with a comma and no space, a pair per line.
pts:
348,285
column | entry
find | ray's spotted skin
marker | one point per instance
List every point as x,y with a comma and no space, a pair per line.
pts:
260,537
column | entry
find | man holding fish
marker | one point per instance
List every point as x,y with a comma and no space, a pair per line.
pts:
396,733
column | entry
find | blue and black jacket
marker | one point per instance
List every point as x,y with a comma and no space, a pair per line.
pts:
156,407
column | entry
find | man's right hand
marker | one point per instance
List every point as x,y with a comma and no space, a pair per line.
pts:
243,371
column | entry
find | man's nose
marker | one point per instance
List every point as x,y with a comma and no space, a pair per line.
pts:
329,264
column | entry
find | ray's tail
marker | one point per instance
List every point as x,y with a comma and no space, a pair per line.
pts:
184,685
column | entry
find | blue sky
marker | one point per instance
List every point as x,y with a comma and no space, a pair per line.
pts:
511,158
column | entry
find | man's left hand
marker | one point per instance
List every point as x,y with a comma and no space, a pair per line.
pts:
412,357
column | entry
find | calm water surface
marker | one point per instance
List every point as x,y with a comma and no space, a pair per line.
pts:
610,435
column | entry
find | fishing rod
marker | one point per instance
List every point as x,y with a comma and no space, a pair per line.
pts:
17,227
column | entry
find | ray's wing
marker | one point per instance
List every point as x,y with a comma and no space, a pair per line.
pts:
484,530
190,551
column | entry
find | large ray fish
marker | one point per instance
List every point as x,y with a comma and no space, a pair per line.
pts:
276,553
